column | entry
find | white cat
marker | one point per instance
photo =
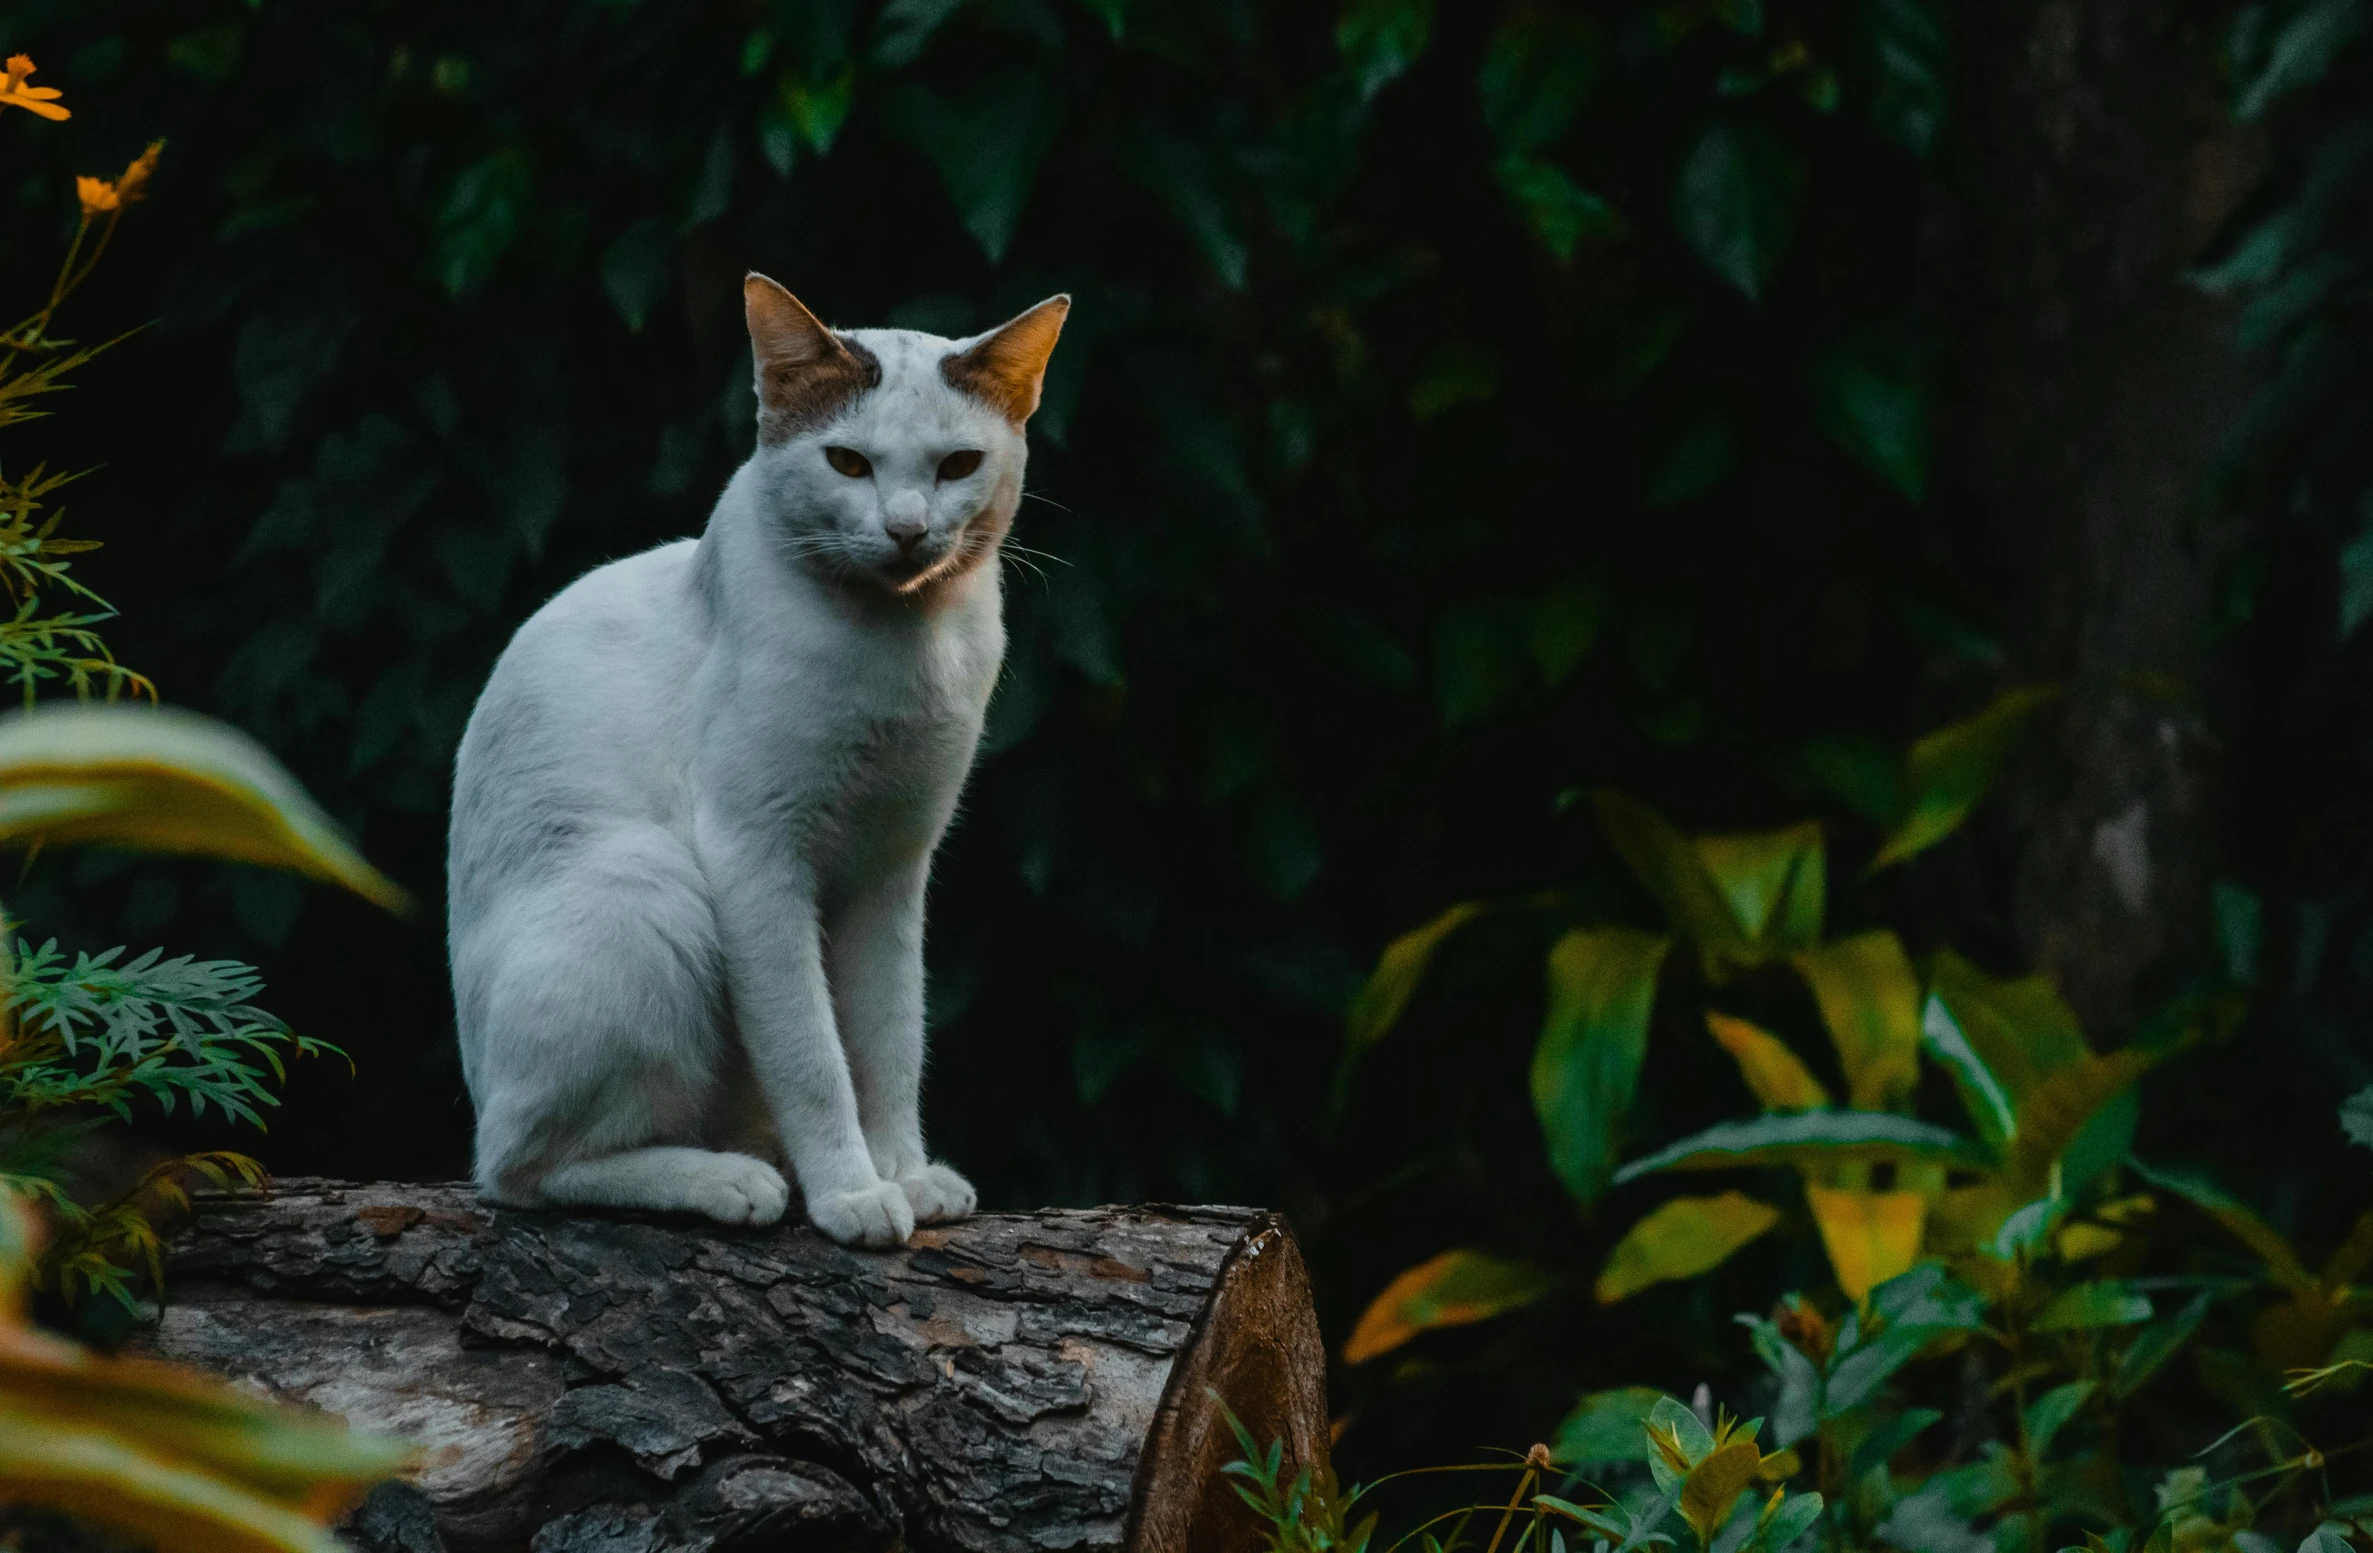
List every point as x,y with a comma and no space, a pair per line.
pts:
695,807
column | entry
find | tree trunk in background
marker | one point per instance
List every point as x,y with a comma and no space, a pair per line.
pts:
2105,388
599,1385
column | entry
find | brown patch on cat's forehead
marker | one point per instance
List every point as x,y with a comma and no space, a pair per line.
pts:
796,399
806,373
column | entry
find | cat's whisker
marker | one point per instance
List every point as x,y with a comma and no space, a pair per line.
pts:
1043,555
1049,500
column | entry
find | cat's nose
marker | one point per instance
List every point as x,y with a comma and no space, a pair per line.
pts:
906,519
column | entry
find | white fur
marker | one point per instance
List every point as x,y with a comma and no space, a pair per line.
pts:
693,815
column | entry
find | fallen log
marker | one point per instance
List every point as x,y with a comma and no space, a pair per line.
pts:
613,1385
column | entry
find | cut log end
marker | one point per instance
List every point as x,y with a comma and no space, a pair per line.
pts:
1012,1382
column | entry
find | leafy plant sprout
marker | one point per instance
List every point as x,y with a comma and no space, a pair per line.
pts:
85,1042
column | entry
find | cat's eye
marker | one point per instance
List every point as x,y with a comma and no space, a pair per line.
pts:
849,462
959,463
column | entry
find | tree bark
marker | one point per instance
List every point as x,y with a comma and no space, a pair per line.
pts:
606,1385
2105,389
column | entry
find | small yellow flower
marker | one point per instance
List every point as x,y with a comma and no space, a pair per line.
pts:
33,99
98,196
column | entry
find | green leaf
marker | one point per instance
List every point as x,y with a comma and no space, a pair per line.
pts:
1807,1138
2025,1230
1905,1315
1948,771
2302,52
1907,41
1562,626
1878,1447
1878,412
2021,1029
1863,772
1537,72
1602,987
2107,1303
1680,1422
1870,1001
1478,661
1381,39
1681,1239
1738,201
2356,1116
2242,1224
635,270
2157,1343
1605,1426
1782,1525
1796,1410
158,780
905,26
2240,930
1561,212
2048,1414
987,146
2356,583
1982,1095
482,215
1456,1288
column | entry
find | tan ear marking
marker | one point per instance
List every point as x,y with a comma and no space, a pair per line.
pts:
806,373
1005,368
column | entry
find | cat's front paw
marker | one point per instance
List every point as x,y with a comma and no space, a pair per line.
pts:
937,1194
876,1215
736,1189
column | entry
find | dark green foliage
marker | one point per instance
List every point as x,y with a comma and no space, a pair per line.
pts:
1393,330
1466,408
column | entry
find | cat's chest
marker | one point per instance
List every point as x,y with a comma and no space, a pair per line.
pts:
840,714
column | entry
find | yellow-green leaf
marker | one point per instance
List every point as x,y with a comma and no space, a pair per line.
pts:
1870,1000
2022,1029
1456,1288
1776,1075
1775,883
1685,1237
2055,1110
1946,773
1602,987
108,1481
1672,870
1378,1005
1870,1236
157,780
1714,1485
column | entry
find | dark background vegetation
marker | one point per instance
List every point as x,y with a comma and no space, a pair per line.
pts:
1464,406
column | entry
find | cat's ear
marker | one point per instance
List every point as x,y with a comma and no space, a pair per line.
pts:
1005,367
805,371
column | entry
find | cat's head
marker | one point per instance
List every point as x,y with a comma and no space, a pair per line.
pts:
893,459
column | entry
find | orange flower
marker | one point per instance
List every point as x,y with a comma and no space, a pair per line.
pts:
33,99
99,197
134,181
